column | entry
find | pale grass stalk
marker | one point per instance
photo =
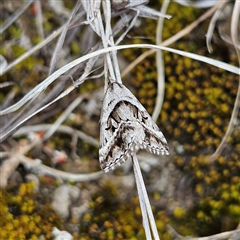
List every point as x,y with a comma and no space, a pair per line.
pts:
171,40
160,64
15,16
144,201
41,87
234,116
25,130
212,24
41,169
37,47
58,48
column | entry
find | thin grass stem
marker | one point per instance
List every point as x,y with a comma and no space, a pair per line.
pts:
144,197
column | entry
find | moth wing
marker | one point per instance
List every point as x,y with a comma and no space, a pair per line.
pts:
139,132
155,141
118,148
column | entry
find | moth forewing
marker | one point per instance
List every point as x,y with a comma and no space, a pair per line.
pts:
125,126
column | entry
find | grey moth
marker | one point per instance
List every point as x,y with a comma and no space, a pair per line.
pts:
125,127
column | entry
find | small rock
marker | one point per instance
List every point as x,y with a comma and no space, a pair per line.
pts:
61,235
63,196
77,212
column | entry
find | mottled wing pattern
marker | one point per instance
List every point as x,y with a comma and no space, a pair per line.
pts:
125,126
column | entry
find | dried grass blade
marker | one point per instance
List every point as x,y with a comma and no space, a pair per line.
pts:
61,39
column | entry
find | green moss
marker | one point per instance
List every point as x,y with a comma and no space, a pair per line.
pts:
22,217
111,218
28,64
179,212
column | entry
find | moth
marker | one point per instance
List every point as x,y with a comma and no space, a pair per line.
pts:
125,127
